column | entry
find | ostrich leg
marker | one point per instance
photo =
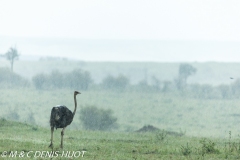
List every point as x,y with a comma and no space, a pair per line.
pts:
62,133
51,144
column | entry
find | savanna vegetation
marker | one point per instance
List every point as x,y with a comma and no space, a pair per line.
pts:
118,105
24,141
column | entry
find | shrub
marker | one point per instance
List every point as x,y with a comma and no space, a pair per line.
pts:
186,150
225,91
30,119
118,83
56,79
39,81
94,118
208,147
161,136
13,115
11,79
78,79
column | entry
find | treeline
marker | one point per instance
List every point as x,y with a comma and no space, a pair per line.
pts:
81,80
77,79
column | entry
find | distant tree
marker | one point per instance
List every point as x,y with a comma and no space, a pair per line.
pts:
56,79
185,70
235,88
12,55
78,79
118,83
225,90
143,85
156,84
167,86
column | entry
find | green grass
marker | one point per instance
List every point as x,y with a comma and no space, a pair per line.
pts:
206,123
25,138
196,117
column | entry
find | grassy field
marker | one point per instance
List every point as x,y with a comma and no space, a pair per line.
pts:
196,117
210,126
24,141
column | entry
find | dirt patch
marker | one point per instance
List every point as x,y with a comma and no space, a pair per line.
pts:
150,128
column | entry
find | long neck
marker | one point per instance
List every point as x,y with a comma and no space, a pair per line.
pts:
75,102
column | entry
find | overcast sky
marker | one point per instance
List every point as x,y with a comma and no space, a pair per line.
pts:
214,20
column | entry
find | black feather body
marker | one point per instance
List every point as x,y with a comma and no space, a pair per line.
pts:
61,117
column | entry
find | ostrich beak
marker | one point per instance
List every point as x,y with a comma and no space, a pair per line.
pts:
77,92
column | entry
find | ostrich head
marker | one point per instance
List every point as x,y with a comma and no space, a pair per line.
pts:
76,93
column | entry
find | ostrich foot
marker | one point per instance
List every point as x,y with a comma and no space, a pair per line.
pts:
51,145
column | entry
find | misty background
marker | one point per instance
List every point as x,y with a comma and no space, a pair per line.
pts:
160,31
172,64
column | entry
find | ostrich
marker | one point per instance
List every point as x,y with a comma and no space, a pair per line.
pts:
61,117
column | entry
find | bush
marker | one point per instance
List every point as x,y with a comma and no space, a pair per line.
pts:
30,119
13,115
56,79
11,79
186,150
225,91
94,118
39,81
118,83
208,147
78,79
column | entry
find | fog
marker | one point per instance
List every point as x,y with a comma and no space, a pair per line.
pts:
163,31
124,50
172,64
